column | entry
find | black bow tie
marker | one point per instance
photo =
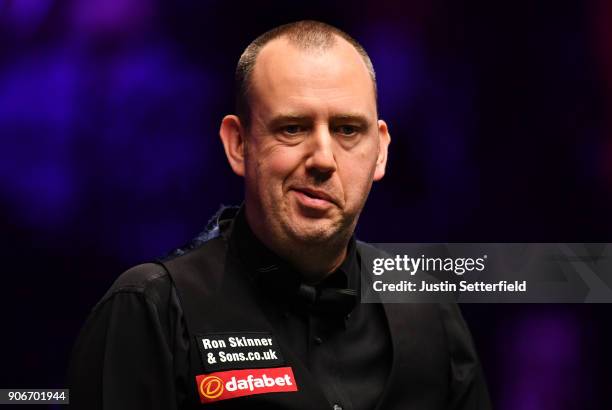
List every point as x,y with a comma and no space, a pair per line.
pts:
285,284
333,301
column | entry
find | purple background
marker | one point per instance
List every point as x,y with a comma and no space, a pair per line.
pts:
501,118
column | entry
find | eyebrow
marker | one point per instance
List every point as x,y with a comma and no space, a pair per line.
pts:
362,119
288,118
297,118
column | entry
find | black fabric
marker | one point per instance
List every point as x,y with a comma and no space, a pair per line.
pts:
137,348
345,345
133,351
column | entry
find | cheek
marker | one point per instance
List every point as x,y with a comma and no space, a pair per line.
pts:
281,162
274,165
357,172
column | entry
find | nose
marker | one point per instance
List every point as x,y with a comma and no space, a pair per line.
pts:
321,160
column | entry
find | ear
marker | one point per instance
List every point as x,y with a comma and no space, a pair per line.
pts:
383,149
234,143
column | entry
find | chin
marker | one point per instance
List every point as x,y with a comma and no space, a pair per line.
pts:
314,233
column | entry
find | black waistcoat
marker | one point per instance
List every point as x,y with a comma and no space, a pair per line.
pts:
434,364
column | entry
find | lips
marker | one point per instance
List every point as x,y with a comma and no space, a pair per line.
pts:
316,194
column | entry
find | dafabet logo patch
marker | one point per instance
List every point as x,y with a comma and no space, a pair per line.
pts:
211,387
237,383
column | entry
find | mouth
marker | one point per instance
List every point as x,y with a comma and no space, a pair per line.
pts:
313,198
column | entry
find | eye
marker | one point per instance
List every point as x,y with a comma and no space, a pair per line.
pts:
347,130
292,129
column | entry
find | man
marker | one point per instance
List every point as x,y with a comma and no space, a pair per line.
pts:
262,309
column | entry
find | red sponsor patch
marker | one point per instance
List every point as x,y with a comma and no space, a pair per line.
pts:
237,383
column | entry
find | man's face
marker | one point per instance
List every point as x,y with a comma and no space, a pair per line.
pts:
314,145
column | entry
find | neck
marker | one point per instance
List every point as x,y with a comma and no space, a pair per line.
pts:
314,261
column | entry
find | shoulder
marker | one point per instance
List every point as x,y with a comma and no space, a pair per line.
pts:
141,300
148,280
156,281
139,277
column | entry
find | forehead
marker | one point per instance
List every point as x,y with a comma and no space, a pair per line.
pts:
292,78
